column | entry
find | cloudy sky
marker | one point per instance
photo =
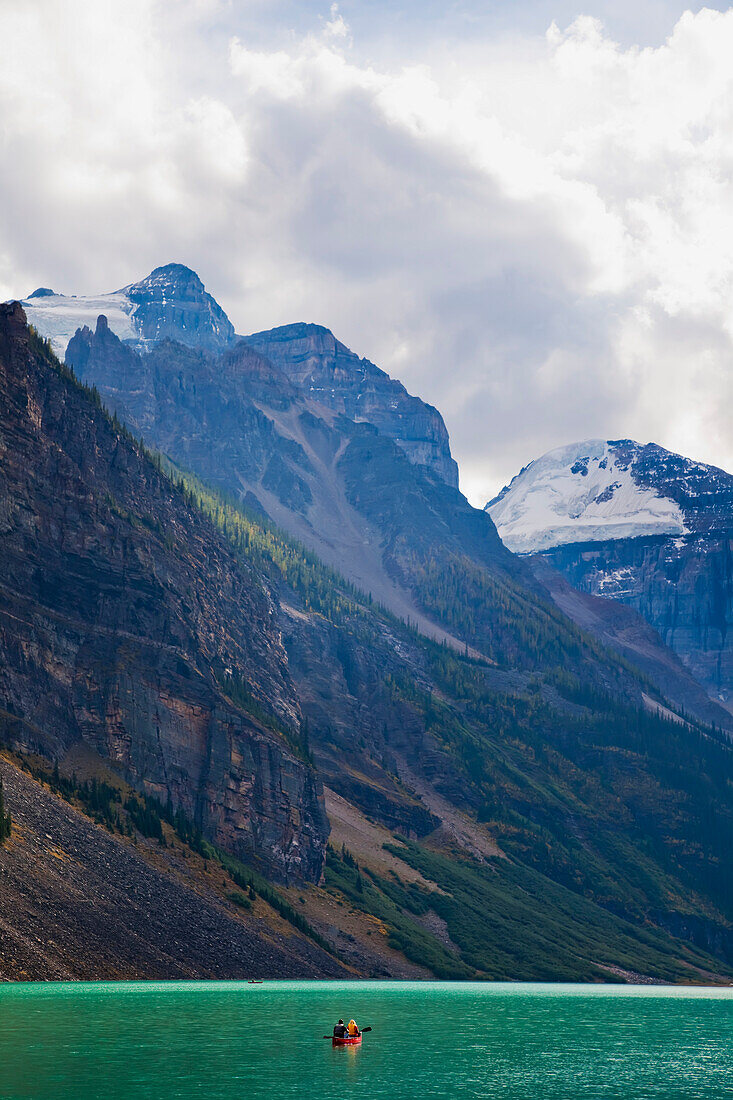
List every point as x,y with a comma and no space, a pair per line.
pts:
522,209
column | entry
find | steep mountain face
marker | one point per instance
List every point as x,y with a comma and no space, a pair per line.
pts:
127,623
344,489
397,531
325,370
682,586
641,525
171,302
627,632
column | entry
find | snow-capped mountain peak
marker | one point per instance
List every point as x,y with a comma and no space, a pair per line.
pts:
170,302
585,492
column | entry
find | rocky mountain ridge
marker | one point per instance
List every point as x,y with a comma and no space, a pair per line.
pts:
339,485
239,422
330,374
172,303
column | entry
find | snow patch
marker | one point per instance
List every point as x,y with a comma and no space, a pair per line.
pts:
58,316
580,493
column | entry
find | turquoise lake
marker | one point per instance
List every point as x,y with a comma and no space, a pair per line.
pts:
221,1040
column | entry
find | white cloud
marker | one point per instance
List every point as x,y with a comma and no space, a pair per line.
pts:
536,233
337,27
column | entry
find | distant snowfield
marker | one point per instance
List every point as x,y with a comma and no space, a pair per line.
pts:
579,494
58,316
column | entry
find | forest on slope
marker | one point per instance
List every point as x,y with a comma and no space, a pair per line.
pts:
627,808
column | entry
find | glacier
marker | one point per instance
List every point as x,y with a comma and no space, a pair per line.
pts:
58,316
584,492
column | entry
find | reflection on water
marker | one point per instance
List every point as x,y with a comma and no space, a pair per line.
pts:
222,1040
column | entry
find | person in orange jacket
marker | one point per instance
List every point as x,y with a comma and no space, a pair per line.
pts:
353,1029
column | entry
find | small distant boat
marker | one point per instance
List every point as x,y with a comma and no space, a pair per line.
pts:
254,981
347,1041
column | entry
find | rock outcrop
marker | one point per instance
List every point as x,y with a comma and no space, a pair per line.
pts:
682,586
171,303
625,630
127,622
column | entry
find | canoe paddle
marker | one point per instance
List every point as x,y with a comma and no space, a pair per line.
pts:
362,1032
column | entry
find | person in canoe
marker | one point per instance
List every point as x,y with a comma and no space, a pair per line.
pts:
353,1029
340,1030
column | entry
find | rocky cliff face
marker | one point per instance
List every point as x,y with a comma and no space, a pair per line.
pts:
625,630
326,371
80,904
208,412
125,621
682,586
172,303
537,747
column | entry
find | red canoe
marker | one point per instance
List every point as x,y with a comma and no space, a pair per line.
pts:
347,1041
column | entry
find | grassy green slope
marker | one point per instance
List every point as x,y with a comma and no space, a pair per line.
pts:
504,921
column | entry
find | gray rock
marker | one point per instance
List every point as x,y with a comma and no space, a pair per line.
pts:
326,371
172,302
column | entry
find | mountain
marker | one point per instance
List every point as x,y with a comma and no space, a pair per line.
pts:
128,623
527,795
348,492
628,633
239,421
506,797
636,523
326,371
589,492
170,302
278,421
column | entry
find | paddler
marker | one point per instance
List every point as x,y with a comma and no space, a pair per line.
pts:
353,1029
340,1030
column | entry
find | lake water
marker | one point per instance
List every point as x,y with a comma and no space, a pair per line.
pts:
221,1040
